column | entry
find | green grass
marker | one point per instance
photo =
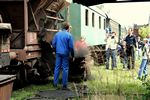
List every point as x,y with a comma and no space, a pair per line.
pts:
115,81
29,91
118,81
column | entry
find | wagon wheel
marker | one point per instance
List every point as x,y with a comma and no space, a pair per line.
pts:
21,80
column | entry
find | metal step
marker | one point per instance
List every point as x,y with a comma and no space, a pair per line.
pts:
55,18
49,10
52,30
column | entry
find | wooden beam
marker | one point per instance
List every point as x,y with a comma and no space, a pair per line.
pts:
52,30
25,20
34,17
55,18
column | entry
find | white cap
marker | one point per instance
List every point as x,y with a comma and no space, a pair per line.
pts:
145,39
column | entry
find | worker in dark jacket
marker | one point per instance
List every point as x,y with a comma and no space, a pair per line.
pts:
130,48
63,44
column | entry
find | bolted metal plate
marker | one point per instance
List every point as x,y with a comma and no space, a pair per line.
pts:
57,94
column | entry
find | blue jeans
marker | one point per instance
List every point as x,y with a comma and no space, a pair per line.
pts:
143,68
62,61
112,53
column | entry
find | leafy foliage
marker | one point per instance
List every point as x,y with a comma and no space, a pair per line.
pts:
144,31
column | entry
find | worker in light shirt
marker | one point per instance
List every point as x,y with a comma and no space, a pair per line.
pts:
111,47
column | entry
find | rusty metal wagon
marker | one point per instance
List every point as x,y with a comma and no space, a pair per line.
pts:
25,50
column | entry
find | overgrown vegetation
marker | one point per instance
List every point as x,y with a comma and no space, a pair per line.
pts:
111,82
144,31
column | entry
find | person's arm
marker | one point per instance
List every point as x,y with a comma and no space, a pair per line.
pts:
105,39
116,39
135,43
147,51
54,42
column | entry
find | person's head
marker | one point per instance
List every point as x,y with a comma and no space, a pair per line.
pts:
139,38
145,40
66,26
124,43
82,38
130,31
113,34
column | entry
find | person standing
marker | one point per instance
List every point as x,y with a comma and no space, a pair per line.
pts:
144,63
123,56
111,50
107,40
64,46
140,46
130,48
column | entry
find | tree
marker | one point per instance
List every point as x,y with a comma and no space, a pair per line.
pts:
144,31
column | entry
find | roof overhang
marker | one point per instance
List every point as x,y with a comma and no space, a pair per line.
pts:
96,2
11,0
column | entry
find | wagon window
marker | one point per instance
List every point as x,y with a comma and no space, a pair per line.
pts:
86,17
99,22
93,19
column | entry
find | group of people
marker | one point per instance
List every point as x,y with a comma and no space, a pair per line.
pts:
63,44
126,51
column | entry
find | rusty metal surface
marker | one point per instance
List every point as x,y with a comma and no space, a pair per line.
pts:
31,55
21,54
32,38
6,84
6,91
17,40
33,48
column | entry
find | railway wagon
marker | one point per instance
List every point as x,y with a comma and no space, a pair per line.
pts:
92,24
25,42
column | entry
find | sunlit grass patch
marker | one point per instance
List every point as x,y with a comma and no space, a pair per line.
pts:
117,81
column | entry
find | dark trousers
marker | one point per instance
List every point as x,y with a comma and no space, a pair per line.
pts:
124,61
130,57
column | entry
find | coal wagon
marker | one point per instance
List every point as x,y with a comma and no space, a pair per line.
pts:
26,29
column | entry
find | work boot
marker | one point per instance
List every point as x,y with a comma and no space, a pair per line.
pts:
144,77
55,85
65,88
